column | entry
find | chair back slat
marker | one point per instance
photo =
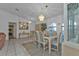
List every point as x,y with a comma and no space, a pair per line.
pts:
39,36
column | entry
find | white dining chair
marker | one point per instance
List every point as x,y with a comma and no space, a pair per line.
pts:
40,40
55,44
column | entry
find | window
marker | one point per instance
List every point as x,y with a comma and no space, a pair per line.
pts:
54,24
52,27
62,26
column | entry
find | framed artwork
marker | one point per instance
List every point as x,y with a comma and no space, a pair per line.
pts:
23,25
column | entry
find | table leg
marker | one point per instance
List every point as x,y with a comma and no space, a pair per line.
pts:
49,46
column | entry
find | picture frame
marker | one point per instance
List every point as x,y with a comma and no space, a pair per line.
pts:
23,25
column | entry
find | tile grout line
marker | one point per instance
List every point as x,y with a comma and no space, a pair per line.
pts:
7,47
14,46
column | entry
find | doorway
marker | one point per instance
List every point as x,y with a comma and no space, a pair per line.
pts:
12,30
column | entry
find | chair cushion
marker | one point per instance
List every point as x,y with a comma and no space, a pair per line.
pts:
54,45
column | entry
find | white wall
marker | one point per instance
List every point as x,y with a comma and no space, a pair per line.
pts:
6,17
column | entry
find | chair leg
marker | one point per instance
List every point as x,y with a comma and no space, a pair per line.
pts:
38,45
58,52
43,49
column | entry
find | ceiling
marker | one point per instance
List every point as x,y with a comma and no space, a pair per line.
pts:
32,10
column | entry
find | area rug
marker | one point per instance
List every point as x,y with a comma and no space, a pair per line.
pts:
33,50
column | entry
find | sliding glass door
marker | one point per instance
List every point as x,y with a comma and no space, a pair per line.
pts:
73,22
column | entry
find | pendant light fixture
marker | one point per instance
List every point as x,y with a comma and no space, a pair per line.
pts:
41,17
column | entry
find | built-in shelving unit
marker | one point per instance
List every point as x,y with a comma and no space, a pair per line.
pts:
11,27
12,30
